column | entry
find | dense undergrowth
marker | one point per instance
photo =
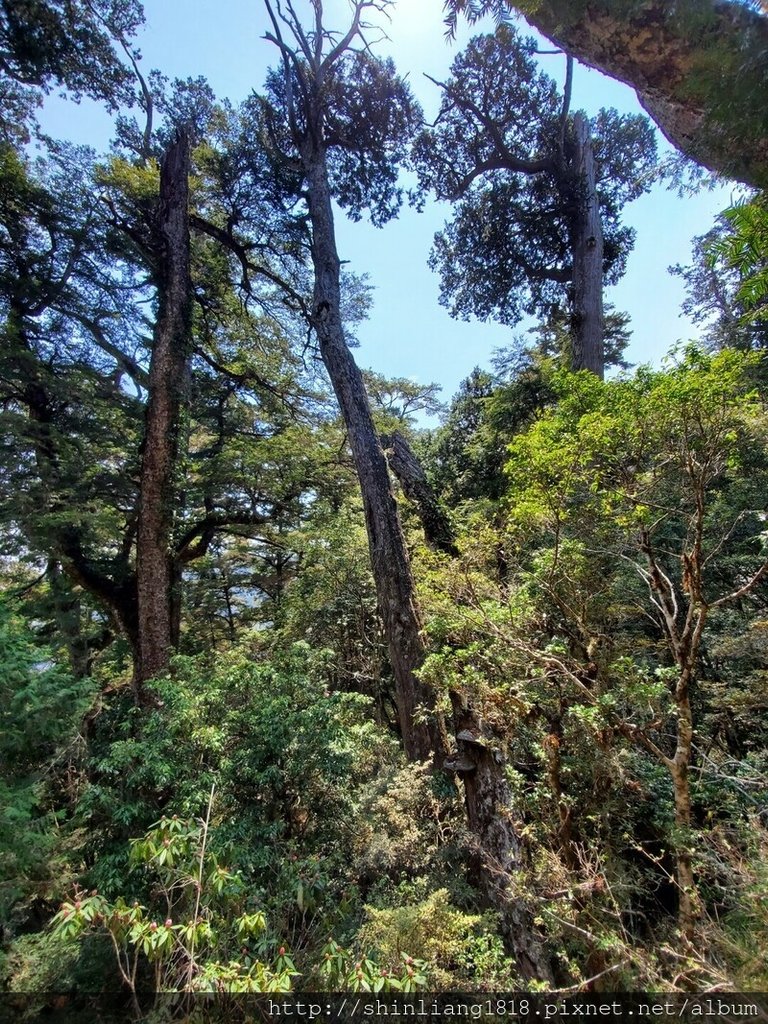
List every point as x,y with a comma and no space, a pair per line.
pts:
255,826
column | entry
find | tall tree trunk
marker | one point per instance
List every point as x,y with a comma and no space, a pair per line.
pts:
587,242
422,727
156,569
422,730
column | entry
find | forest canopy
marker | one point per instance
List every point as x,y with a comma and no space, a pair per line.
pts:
298,691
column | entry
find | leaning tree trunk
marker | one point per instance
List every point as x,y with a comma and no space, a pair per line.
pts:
422,730
587,243
156,569
438,532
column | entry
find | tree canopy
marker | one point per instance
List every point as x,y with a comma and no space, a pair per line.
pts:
504,150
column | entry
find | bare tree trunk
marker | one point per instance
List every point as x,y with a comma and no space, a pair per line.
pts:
409,471
423,732
156,571
500,852
679,770
589,327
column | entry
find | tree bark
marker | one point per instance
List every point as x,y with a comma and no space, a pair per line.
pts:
500,852
684,643
156,568
409,471
422,730
699,70
587,246
679,770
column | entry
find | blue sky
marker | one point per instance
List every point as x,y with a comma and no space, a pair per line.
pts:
409,334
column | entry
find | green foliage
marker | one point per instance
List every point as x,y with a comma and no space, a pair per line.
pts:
473,10
407,827
275,742
201,932
445,937
463,461
368,116
41,711
746,927
340,971
548,627
281,703
398,402
75,283
611,452
743,249
332,604
502,153
133,185
48,42
714,298
39,963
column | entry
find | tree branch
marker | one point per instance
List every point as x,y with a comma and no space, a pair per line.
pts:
204,531
735,594
507,159
241,250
